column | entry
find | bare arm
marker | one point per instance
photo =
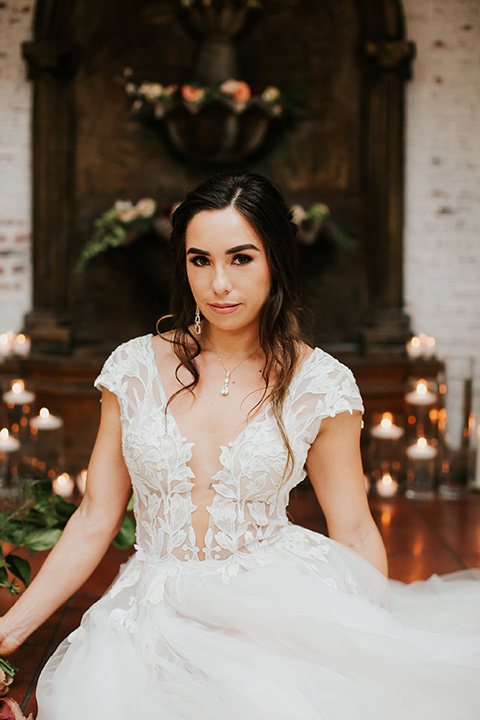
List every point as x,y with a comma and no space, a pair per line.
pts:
335,469
85,539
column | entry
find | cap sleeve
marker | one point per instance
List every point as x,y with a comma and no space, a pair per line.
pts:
329,388
109,376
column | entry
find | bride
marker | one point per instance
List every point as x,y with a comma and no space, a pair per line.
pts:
226,609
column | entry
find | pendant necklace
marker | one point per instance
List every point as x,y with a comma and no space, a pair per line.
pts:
225,389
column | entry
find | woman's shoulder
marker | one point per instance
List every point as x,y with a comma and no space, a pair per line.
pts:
323,374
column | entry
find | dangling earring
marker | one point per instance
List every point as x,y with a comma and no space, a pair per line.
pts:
197,328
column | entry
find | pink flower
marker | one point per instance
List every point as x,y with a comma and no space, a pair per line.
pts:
238,89
192,94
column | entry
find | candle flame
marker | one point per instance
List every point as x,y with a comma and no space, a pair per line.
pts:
63,479
386,421
415,341
18,386
421,388
44,413
422,442
387,479
4,434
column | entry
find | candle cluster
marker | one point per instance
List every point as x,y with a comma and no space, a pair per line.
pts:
32,447
12,344
421,346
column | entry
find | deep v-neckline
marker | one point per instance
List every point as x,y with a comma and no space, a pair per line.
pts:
260,415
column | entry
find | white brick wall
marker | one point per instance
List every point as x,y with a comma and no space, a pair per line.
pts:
15,159
442,231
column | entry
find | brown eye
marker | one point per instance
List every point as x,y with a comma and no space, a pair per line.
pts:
199,261
241,259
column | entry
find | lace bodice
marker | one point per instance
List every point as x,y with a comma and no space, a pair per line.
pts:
248,509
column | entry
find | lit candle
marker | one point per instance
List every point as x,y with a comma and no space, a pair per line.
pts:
421,395
421,450
82,482
8,444
386,487
45,421
429,347
386,429
422,346
17,395
6,344
21,345
414,347
63,485
420,470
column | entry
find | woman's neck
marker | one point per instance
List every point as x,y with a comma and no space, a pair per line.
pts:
231,344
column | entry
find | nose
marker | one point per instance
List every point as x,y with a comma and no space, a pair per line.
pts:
221,283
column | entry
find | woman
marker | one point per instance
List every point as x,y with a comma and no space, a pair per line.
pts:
227,609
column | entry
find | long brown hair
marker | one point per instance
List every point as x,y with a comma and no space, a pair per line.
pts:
263,206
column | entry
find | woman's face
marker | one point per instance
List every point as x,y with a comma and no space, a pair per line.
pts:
227,268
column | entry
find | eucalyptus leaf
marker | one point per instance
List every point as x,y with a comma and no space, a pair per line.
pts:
20,568
126,535
3,577
42,539
130,503
62,510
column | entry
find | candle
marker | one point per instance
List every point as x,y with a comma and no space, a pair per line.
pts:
429,347
45,421
63,485
421,395
414,347
82,482
422,346
421,450
21,345
420,470
8,444
386,429
17,395
6,344
386,487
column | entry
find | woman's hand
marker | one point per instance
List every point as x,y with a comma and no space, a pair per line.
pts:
8,641
335,470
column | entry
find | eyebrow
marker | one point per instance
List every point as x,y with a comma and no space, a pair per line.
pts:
232,251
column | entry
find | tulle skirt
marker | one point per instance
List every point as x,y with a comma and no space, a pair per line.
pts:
288,637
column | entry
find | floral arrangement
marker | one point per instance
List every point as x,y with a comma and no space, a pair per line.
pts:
316,213
193,96
119,224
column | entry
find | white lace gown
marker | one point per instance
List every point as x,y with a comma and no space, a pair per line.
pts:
277,622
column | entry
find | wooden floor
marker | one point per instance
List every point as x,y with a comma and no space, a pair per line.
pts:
437,536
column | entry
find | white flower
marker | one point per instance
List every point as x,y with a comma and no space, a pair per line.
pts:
146,208
131,89
298,213
271,94
123,205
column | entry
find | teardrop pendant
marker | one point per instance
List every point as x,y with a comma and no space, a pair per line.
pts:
224,390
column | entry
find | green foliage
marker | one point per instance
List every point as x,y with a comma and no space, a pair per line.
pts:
114,227
7,668
126,535
35,522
